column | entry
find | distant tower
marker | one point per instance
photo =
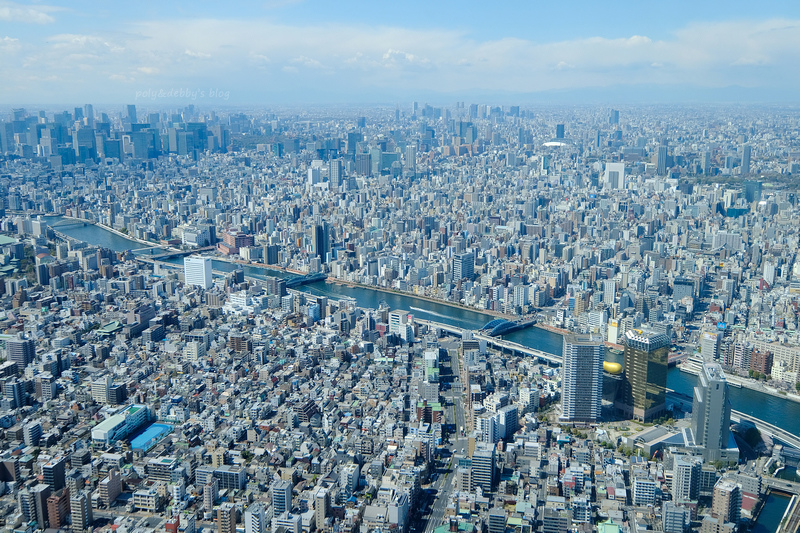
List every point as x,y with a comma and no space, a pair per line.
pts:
661,162
132,114
645,379
705,164
746,149
559,131
582,383
711,412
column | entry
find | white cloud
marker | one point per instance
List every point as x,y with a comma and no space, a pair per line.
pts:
200,55
33,14
283,57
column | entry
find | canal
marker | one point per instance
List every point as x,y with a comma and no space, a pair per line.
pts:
772,409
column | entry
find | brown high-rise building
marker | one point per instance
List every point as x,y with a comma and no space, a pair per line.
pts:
58,508
226,518
645,380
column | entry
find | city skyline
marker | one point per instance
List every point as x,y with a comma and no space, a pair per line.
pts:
298,52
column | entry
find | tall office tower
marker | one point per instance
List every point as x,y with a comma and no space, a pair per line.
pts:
255,518
559,131
614,176
132,114
613,117
54,473
20,351
320,233
727,501
281,497
645,375
410,156
88,113
322,505
336,172
685,478
483,467
81,511
463,266
226,518
197,272
711,414
609,291
363,165
582,382
661,162
746,149
705,163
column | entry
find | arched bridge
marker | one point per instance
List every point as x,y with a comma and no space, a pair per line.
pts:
501,326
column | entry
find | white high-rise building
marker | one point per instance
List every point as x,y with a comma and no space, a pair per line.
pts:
255,518
197,271
614,175
582,382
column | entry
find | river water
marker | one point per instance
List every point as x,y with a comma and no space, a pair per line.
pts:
778,411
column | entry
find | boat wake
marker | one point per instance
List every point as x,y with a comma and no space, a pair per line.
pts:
419,309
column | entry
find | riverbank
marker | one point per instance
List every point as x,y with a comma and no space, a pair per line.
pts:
745,383
430,299
552,329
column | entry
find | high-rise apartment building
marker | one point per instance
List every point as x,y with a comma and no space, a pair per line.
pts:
711,414
281,497
645,375
226,518
81,511
255,518
582,382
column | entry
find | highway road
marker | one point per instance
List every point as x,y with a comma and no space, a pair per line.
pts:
445,483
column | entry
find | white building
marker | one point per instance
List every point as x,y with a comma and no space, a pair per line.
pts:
197,272
582,382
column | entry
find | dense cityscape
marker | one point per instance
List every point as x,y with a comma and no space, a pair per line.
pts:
403,319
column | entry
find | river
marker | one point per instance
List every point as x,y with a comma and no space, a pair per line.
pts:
772,409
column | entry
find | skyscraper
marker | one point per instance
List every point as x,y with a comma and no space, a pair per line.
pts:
197,272
321,240
645,377
132,113
582,383
463,266
661,162
746,149
559,131
711,414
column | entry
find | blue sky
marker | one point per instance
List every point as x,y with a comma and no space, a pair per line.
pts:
289,51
